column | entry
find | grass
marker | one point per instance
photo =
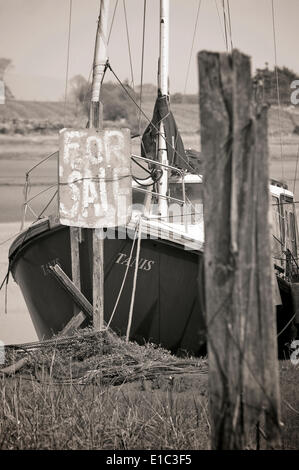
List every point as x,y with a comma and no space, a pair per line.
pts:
99,392
135,398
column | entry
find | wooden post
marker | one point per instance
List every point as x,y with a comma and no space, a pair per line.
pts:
96,120
240,316
98,276
75,257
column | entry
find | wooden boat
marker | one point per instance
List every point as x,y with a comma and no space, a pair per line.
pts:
169,299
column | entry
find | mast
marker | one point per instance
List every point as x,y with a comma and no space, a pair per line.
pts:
163,86
99,63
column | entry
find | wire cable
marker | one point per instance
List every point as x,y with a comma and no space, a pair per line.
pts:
230,25
220,23
68,59
148,119
129,44
191,51
277,87
142,65
225,26
112,21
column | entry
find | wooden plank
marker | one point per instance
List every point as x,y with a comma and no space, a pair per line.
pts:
75,255
74,323
10,370
75,235
98,275
72,290
242,347
98,278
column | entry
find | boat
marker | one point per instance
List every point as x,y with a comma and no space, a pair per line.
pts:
160,251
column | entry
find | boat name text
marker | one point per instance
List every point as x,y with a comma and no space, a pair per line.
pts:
144,264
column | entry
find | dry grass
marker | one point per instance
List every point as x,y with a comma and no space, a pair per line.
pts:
98,392
101,393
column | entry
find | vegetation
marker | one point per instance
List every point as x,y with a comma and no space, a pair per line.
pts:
98,392
266,82
117,104
102,393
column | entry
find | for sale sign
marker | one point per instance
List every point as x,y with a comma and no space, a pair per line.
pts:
95,179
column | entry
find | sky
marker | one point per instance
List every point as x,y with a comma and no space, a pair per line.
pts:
34,35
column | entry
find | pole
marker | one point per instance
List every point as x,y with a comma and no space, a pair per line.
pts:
95,121
240,315
163,86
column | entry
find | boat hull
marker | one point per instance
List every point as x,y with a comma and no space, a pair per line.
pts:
167,307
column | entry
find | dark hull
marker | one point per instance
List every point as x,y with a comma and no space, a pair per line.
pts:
167,308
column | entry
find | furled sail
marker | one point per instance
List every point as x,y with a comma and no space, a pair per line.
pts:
174,143
189,160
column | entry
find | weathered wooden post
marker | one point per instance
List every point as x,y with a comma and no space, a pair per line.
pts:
240,316
95,186
96,121
95,192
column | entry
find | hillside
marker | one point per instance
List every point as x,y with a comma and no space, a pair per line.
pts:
56,115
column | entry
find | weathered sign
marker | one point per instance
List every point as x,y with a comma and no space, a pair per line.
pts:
95,182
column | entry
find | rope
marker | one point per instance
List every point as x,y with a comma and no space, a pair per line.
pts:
295,177
129,45
46,207
134,283
150,122
112,21
230,25
216,4
27,186
225,27
285,327
142,65
277,87
124,279
68,59
191,51
42,161
141,166
41,192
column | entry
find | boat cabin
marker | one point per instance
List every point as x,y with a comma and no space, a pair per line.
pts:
284,230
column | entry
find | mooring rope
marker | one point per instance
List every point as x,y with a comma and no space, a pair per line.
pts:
134,283
124,278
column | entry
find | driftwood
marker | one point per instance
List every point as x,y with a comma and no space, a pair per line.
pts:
13,368
241,322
